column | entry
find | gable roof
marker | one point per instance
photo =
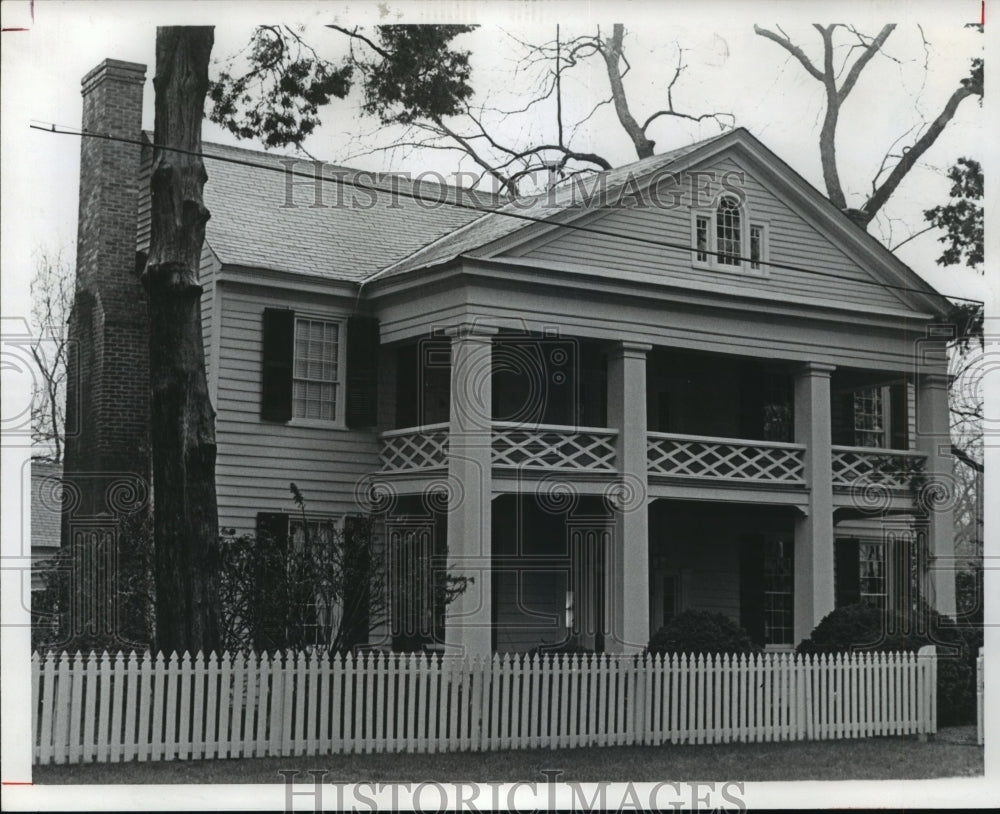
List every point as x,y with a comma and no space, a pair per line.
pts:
365,226
515,223
525,213
363,221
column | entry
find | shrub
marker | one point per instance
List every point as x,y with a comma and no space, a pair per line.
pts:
863,628
97,593
694,631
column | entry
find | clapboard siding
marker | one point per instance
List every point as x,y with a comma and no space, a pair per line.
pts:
258,459
530,607
207,278
700,543
791,239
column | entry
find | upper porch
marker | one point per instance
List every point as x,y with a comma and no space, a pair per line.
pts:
713,426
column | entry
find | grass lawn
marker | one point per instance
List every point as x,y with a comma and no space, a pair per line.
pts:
952,753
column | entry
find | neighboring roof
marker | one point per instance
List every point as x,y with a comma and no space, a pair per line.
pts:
251,224
46,514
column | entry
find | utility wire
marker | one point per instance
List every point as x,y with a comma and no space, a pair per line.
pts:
68,131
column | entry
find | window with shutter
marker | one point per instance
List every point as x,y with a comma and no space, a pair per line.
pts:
303,377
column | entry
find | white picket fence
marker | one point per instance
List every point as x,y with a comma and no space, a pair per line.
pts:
97,707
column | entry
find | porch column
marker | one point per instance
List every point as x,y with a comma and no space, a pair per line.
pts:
628,559
814,589
468,618
934,440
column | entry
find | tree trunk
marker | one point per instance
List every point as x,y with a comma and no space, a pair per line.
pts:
612,53
185,512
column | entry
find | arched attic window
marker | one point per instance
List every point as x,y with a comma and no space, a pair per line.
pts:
725,238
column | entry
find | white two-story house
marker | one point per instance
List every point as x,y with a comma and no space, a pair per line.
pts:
689,382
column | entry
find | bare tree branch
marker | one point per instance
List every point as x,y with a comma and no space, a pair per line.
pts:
612,53
864,59
920,146
911,237
835,98
52,298
792,49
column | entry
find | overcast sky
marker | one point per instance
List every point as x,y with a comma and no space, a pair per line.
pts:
729,68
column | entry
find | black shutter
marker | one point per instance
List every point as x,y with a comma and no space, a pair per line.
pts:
269,615
842,418
274,525
897,416
408,399
362,372
752,586
357,562
847,572
278,343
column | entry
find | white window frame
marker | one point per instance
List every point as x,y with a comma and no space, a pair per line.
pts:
339,420
711,262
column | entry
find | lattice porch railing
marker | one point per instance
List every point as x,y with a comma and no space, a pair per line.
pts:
693,456
554,447
858,466
415,448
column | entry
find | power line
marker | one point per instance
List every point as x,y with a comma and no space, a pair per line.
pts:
68,131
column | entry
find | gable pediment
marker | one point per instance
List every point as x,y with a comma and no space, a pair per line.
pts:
810,251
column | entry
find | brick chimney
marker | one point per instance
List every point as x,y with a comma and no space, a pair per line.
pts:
107,412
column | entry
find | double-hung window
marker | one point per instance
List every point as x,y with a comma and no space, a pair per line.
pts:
316,376
870,425
319,370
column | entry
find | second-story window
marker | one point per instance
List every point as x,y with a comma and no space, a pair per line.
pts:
316,369
870,417
728,231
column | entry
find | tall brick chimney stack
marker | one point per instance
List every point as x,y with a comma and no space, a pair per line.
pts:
107,412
